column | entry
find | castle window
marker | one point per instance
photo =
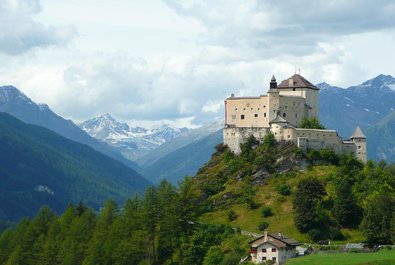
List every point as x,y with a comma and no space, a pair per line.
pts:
256,115
264,114
284,114
242,117
359,147
264,106
263,250
359,153
258,108
293,89
274,249
244,109
274,111
275,133
289,136
296,115
235,109
285,106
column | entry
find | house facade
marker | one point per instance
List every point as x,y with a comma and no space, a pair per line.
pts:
280,112
276,248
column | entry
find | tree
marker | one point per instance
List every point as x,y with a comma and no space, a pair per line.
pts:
345,207
312,123
377,218
97,254
309,192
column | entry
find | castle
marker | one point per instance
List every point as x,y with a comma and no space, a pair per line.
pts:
281,111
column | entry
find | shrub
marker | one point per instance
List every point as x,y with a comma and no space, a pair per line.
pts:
266,211
284,189
232,215
263,226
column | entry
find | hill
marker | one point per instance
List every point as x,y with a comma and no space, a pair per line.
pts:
184,161
38,166
17,104
258,189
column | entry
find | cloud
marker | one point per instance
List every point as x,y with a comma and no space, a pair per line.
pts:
269,28
21,33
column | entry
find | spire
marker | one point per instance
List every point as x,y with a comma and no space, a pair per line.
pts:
273,82
358,134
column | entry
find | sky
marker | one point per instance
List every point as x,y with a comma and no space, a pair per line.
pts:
170,61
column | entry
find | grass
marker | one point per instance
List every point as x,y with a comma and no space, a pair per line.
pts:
383,257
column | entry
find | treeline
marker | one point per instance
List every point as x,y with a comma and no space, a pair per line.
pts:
159,228
356,196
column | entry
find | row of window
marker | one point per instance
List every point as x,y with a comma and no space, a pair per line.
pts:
264,106
264,250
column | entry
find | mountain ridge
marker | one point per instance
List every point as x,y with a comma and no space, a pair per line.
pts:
17,104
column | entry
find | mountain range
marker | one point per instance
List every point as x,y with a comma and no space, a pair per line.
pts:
132,142
370,105
39,166
17,104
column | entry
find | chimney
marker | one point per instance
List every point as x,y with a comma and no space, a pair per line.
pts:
265,236
291,82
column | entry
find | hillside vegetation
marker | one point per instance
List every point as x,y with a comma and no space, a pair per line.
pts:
313,196
38,166
273,185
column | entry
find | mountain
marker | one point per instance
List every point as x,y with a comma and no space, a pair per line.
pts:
174,144
132,142
364,105
381,139
17,104
38,166
184,161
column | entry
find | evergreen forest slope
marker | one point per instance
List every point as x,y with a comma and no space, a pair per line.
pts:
38,166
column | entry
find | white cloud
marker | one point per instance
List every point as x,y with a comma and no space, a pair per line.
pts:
21,33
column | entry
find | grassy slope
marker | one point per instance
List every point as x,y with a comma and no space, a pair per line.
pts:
383,257
266,195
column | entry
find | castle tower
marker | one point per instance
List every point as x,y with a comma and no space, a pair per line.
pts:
359,139
298,86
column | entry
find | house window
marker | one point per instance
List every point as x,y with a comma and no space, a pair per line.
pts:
284,114
255,115
263,258
274,249
242,117
293,89
263,250
274,259
289,136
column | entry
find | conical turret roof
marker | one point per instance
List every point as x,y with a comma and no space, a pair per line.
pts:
358,134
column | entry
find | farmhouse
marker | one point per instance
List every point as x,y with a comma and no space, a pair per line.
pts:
276,248
281,112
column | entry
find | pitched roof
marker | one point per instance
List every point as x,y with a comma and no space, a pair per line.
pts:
296,81
278,119
278,240
358,134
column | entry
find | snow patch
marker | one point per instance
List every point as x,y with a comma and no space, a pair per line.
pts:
43,188
368,110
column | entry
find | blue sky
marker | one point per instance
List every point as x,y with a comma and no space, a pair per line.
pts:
150,62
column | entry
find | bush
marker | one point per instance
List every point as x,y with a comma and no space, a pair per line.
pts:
232,215
284,189
263,226
266,211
